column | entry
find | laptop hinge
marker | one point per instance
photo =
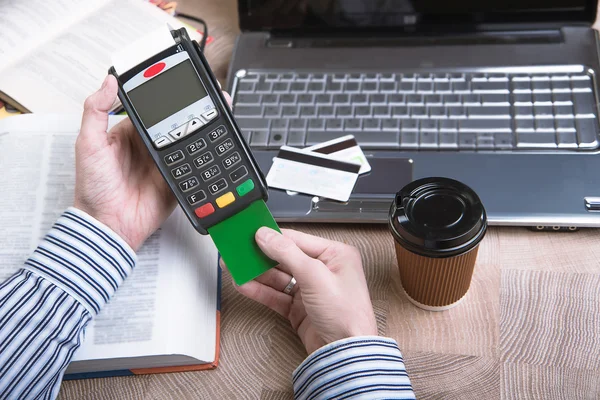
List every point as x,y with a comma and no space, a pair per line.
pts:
491,37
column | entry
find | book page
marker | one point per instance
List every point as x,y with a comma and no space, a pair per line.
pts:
25,24
58,76
169,292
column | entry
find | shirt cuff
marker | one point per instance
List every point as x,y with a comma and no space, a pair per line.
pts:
83,257
365,367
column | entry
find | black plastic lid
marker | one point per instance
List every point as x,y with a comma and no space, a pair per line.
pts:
437,217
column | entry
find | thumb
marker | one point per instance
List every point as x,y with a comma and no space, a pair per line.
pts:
95,112
305,269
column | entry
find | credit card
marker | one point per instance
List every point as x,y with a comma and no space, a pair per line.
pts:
312,173
344,148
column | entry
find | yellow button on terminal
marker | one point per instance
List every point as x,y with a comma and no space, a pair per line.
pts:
225,200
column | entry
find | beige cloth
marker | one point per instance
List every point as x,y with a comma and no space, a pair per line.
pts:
529,327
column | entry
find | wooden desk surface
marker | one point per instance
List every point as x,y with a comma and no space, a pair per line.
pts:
528,329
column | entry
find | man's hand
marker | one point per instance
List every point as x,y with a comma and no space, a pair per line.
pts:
330,301
117,181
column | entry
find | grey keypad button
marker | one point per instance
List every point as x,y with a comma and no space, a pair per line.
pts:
489,112
270,99
245,87
429,125
437,112
396,99
287,77
581,85
418,111
334,124
390,124
525,125
428,140
400,111
544,125
584,104
298,123
341,99
460,87
248,111
302,76
279,124
536,140
448,125
290,111
451,99
339,77
357,99
362,111
315,87
467,141
381,111
259,138
247,98
296,138
333,87
387,87
272,111
377,139
316,124
587,133
415,99
369,87
566,140
495,99
387,77
443,87
540,86
323,99
263,87
471,99
410,77
457,112
563,111
433,99
277,138
351,124
326,111
253,124
561,86
409,140
523,98
305,98
564,124
308,111
287,98
371,123
490,87
523,111
343,111
298,87
448,140
424,87
562,98
352,87
409,125
355,77
406,87
377,98
485,141
491,125
281,87
543,111
271,77
503,141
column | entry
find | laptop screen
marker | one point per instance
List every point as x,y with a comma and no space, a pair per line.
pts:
332,15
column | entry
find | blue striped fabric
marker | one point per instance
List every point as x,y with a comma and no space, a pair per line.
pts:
367,367
45,306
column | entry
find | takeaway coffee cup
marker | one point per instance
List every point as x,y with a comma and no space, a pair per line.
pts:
437,224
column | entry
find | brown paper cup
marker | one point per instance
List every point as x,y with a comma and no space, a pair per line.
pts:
437,224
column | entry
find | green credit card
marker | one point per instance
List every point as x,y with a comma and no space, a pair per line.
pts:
234,238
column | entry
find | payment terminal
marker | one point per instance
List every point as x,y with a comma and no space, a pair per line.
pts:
175,103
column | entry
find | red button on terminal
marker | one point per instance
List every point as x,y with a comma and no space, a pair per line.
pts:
154,70
205,210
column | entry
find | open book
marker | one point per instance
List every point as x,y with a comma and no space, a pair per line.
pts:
165,316
53,54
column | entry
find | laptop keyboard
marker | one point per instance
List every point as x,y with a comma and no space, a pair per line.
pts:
418,111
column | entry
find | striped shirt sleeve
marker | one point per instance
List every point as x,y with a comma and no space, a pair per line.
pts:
367,367
46,305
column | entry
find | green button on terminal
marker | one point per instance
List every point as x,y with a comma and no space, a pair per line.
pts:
245,187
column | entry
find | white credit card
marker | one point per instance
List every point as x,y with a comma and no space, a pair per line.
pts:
344,148
312,173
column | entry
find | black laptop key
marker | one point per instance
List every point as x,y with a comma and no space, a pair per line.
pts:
243,111
584,104
587,133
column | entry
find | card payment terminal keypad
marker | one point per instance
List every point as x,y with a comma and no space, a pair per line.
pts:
206,173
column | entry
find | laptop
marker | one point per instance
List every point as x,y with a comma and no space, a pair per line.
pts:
500,95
